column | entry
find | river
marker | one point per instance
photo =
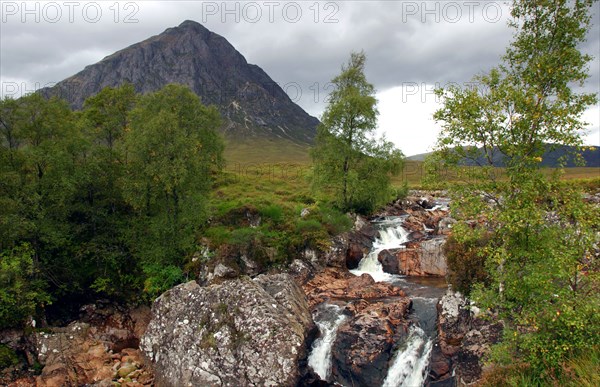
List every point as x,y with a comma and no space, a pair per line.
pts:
409,364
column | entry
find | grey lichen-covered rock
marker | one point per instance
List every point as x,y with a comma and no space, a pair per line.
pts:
462,342
433,259
241,332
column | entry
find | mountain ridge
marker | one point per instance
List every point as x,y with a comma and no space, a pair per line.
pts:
251,103
591,156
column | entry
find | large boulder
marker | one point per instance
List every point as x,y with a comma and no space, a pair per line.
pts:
360,241
421,258
355,254
433,259
241,332
364,345
335,256
389,261
462,343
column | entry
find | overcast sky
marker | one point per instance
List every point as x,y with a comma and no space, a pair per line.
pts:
412,47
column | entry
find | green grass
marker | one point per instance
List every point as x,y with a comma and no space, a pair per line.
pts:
581,371
277,194
260,151
282,160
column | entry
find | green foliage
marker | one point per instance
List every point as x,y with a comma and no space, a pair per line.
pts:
273,212
8,357
537,235
172,149
466,261
104,202
348,161
160,279
334,221
21,290
527,101
39,156
580,371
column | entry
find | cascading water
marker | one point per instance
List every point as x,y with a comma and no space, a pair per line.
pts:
391,236
328,318
410,362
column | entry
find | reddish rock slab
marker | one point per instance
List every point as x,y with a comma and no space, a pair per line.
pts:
363,346
338,284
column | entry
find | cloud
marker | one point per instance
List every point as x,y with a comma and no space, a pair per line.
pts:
407,42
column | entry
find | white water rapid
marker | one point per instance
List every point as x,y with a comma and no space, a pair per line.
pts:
328,318
391,236
410,361
409,365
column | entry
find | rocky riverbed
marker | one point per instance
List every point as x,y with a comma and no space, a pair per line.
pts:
373,327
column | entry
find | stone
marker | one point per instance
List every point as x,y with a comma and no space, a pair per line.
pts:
338,284
240,332
433,259
363,346
250,266
126,369
222,271
445,225
360,241
305,212
250,102
426,202
335,256
301,271
389,261
462,343
423,258
355,254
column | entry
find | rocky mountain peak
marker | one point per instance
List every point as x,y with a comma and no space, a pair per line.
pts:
252,104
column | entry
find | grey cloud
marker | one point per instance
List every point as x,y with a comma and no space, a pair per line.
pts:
401,47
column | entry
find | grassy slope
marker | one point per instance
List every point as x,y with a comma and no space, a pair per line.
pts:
265,151
286,160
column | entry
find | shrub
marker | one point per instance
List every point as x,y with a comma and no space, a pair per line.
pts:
334,221
8,357
466,261
273,212
21,292
160,279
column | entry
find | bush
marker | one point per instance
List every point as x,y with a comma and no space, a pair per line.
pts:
579,371
21,292
273,212
334,221
8,357
466,261
159,279
218,235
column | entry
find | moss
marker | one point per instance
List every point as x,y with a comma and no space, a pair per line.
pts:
208,341
8,357
222,308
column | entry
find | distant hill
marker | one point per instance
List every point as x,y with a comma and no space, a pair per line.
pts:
253,105
551,157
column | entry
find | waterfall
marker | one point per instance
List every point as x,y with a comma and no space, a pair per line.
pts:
328,318
391,236
410,362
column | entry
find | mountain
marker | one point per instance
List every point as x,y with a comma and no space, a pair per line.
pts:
551,157
252,104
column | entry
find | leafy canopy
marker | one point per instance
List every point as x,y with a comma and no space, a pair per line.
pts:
538,252
348,161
